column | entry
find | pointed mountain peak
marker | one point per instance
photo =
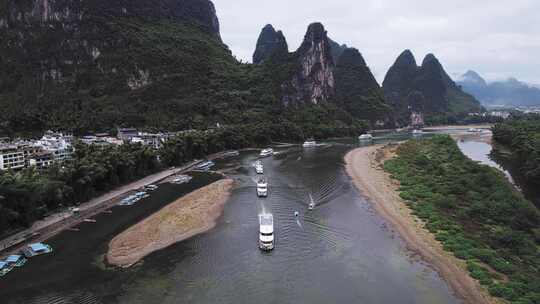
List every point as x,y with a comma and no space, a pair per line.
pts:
430,59
406,58
269,28
315,34
270,43
471,74
351,57
472,77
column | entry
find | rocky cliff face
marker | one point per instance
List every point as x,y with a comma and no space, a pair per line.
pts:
424,90
34,12
271,44
104,61
313,81
357,90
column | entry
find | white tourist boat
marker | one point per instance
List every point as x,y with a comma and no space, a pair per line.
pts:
365,137
262,188
266,232
267,152
259,169
310,143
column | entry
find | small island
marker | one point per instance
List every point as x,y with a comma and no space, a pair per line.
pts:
186,217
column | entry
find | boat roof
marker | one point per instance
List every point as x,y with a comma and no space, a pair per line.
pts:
37,247
266,219
13,258
2,264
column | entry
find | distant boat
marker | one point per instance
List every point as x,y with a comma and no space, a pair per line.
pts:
474,130
311,203
205,166
181,179
417,132
231,154
5,268
310,143
36,249
259,169
266,152
262,188
365,137
266,232
15,260
151,188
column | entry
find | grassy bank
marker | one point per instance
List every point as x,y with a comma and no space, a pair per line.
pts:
475,213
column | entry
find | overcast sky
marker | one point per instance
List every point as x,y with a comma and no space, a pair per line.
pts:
496,38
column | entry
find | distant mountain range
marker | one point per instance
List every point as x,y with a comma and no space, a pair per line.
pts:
510,92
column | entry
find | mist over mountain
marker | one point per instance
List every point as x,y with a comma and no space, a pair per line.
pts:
510,92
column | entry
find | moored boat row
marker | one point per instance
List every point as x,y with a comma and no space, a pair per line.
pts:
18,260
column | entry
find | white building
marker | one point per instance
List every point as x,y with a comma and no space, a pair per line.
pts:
11,157
58,144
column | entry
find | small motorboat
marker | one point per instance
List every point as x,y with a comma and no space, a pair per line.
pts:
296,214
311,206
267,152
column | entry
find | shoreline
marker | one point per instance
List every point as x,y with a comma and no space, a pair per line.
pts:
60,221
187,216
364,166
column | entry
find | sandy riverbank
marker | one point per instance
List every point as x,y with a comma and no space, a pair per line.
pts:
364,167
188,216
60,221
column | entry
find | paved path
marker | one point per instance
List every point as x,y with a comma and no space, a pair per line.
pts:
53,224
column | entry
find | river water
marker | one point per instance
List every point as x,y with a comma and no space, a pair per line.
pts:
341,252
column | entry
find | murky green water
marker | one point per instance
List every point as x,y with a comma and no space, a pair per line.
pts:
342,252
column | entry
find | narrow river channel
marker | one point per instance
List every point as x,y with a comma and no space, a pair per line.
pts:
341,252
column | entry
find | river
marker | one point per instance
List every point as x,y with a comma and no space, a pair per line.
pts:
341,252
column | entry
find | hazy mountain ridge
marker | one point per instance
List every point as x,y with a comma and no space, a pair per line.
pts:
510,92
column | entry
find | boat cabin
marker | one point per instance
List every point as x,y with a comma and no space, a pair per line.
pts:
36,249
15,260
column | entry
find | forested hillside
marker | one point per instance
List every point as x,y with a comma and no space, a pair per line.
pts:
94,65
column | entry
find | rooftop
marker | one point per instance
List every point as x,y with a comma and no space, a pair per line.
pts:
37,247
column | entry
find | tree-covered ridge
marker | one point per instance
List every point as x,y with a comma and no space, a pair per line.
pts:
522,136
357,91
475,213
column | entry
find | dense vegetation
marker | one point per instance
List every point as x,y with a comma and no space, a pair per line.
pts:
475,213
521,135
29,194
